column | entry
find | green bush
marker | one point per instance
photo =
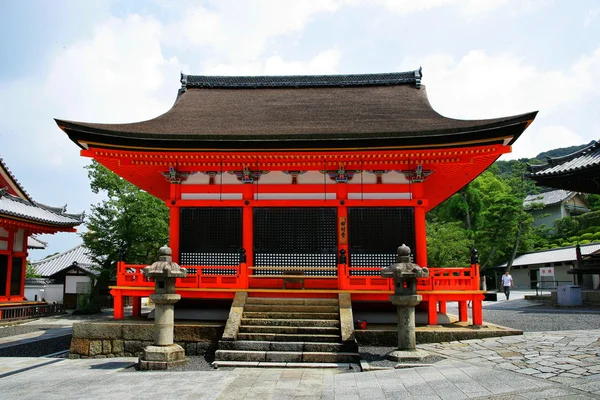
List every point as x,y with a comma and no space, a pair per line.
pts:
587,236
574,239
585,241
596,236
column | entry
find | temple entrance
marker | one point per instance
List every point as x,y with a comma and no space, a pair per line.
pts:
211,236
302,237
374,235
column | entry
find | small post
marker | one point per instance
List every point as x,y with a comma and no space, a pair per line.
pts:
164,354
405,274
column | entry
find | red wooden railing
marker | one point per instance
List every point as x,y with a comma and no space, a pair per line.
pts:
443,285
440,279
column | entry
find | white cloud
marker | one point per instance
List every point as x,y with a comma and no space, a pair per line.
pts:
118,75
479,86
326,62
591,16
234,31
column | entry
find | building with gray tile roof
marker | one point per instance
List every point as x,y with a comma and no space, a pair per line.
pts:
526,268
549,206
20,218
76,257
578,171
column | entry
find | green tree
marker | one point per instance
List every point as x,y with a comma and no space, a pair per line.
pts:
129,223
448,244
30,271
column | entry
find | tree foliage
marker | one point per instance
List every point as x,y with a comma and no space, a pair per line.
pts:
129,223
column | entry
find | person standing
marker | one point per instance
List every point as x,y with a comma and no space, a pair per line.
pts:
507,283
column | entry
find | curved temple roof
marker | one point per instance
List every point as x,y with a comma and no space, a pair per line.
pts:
578,171
331,112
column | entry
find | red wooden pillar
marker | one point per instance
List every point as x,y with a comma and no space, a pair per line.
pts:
136,306
462,311
343,274
247,243
118,311
247,232
174,217
174,231
432,310
420,227
477,310
442,305
11,247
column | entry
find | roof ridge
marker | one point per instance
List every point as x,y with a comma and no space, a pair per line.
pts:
277,81
567,157
15,181
55,256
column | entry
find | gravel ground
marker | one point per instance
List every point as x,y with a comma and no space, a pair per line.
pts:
6,331
38,348
542,319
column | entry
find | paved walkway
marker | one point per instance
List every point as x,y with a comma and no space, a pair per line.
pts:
536,365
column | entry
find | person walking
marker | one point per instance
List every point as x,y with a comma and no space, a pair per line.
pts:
507,283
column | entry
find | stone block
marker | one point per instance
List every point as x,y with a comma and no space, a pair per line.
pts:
159,365
117,346
240,355
106,347
133,346
346,317
95,347
97,330
203,347
80,346
163,353
138,332
190,349
74,356
284,356
287,346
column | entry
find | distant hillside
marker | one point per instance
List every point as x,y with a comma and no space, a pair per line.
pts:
563,151
506,169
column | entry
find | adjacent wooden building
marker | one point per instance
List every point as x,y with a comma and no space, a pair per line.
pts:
21,217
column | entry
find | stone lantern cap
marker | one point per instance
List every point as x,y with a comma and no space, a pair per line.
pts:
165,267
403,267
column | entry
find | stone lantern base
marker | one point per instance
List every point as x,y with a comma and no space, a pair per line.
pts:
162,357
406,355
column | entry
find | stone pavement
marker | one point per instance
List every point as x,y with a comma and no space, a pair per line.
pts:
560,365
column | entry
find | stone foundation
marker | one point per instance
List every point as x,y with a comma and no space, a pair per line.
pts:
389,337
129,339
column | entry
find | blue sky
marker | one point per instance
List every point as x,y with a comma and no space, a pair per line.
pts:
119,61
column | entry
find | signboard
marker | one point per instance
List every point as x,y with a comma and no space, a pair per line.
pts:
343,230
547,271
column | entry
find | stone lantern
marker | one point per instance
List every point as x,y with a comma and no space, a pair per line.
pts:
405,298
164,354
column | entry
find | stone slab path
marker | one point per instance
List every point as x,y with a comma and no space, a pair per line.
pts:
544,365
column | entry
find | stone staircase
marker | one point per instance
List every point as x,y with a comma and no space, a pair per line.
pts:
286,332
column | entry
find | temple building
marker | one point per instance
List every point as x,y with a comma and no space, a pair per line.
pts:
577,172
20,218
289,183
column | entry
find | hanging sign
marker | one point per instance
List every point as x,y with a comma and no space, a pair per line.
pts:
343,230
547,271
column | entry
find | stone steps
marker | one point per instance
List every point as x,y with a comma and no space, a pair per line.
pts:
275,321
297,302
301,330
291,308
286,346
286,315
279,331
285,356
284,337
